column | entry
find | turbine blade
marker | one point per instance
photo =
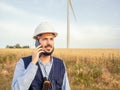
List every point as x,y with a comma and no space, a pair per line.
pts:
72,9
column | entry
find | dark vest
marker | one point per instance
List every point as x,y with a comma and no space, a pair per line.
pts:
55,77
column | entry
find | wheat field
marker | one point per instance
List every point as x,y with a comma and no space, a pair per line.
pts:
88,69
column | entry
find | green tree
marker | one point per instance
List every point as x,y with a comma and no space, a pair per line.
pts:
26,46
17,46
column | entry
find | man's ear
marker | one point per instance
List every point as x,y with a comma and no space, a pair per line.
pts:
38,37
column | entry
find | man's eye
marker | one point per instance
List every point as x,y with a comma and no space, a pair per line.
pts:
44,39
51,39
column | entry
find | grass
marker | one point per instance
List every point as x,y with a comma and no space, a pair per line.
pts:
88,69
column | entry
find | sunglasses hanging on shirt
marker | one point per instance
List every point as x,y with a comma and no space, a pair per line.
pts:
46,84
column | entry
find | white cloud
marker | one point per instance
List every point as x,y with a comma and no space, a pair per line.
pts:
17,26
95,36
16,14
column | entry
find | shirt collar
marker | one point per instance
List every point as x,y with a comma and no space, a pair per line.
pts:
50,63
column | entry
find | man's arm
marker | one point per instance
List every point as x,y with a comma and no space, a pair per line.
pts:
66,85
23,77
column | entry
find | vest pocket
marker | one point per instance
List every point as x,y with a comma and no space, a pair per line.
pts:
59,84
56,84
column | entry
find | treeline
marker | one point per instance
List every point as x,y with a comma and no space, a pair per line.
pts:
17,46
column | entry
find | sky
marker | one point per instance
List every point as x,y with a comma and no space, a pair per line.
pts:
97,24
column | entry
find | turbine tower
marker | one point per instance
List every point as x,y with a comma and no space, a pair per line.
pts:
69,6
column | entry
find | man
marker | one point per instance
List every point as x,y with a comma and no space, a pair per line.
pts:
41,71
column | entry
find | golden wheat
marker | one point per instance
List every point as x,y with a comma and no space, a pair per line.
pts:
92,69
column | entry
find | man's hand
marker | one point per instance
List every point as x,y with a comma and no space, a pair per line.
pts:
35,54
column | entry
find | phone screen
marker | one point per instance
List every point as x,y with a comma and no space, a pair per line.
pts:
37,43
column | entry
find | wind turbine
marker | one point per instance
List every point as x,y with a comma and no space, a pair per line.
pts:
69,6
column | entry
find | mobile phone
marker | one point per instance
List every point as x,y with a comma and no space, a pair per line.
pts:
37,43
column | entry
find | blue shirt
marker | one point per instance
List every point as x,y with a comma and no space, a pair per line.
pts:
23,78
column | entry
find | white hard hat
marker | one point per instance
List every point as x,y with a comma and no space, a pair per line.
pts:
42,28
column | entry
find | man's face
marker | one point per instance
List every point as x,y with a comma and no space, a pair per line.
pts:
47,42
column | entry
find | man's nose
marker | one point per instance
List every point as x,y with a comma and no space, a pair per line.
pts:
48,41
